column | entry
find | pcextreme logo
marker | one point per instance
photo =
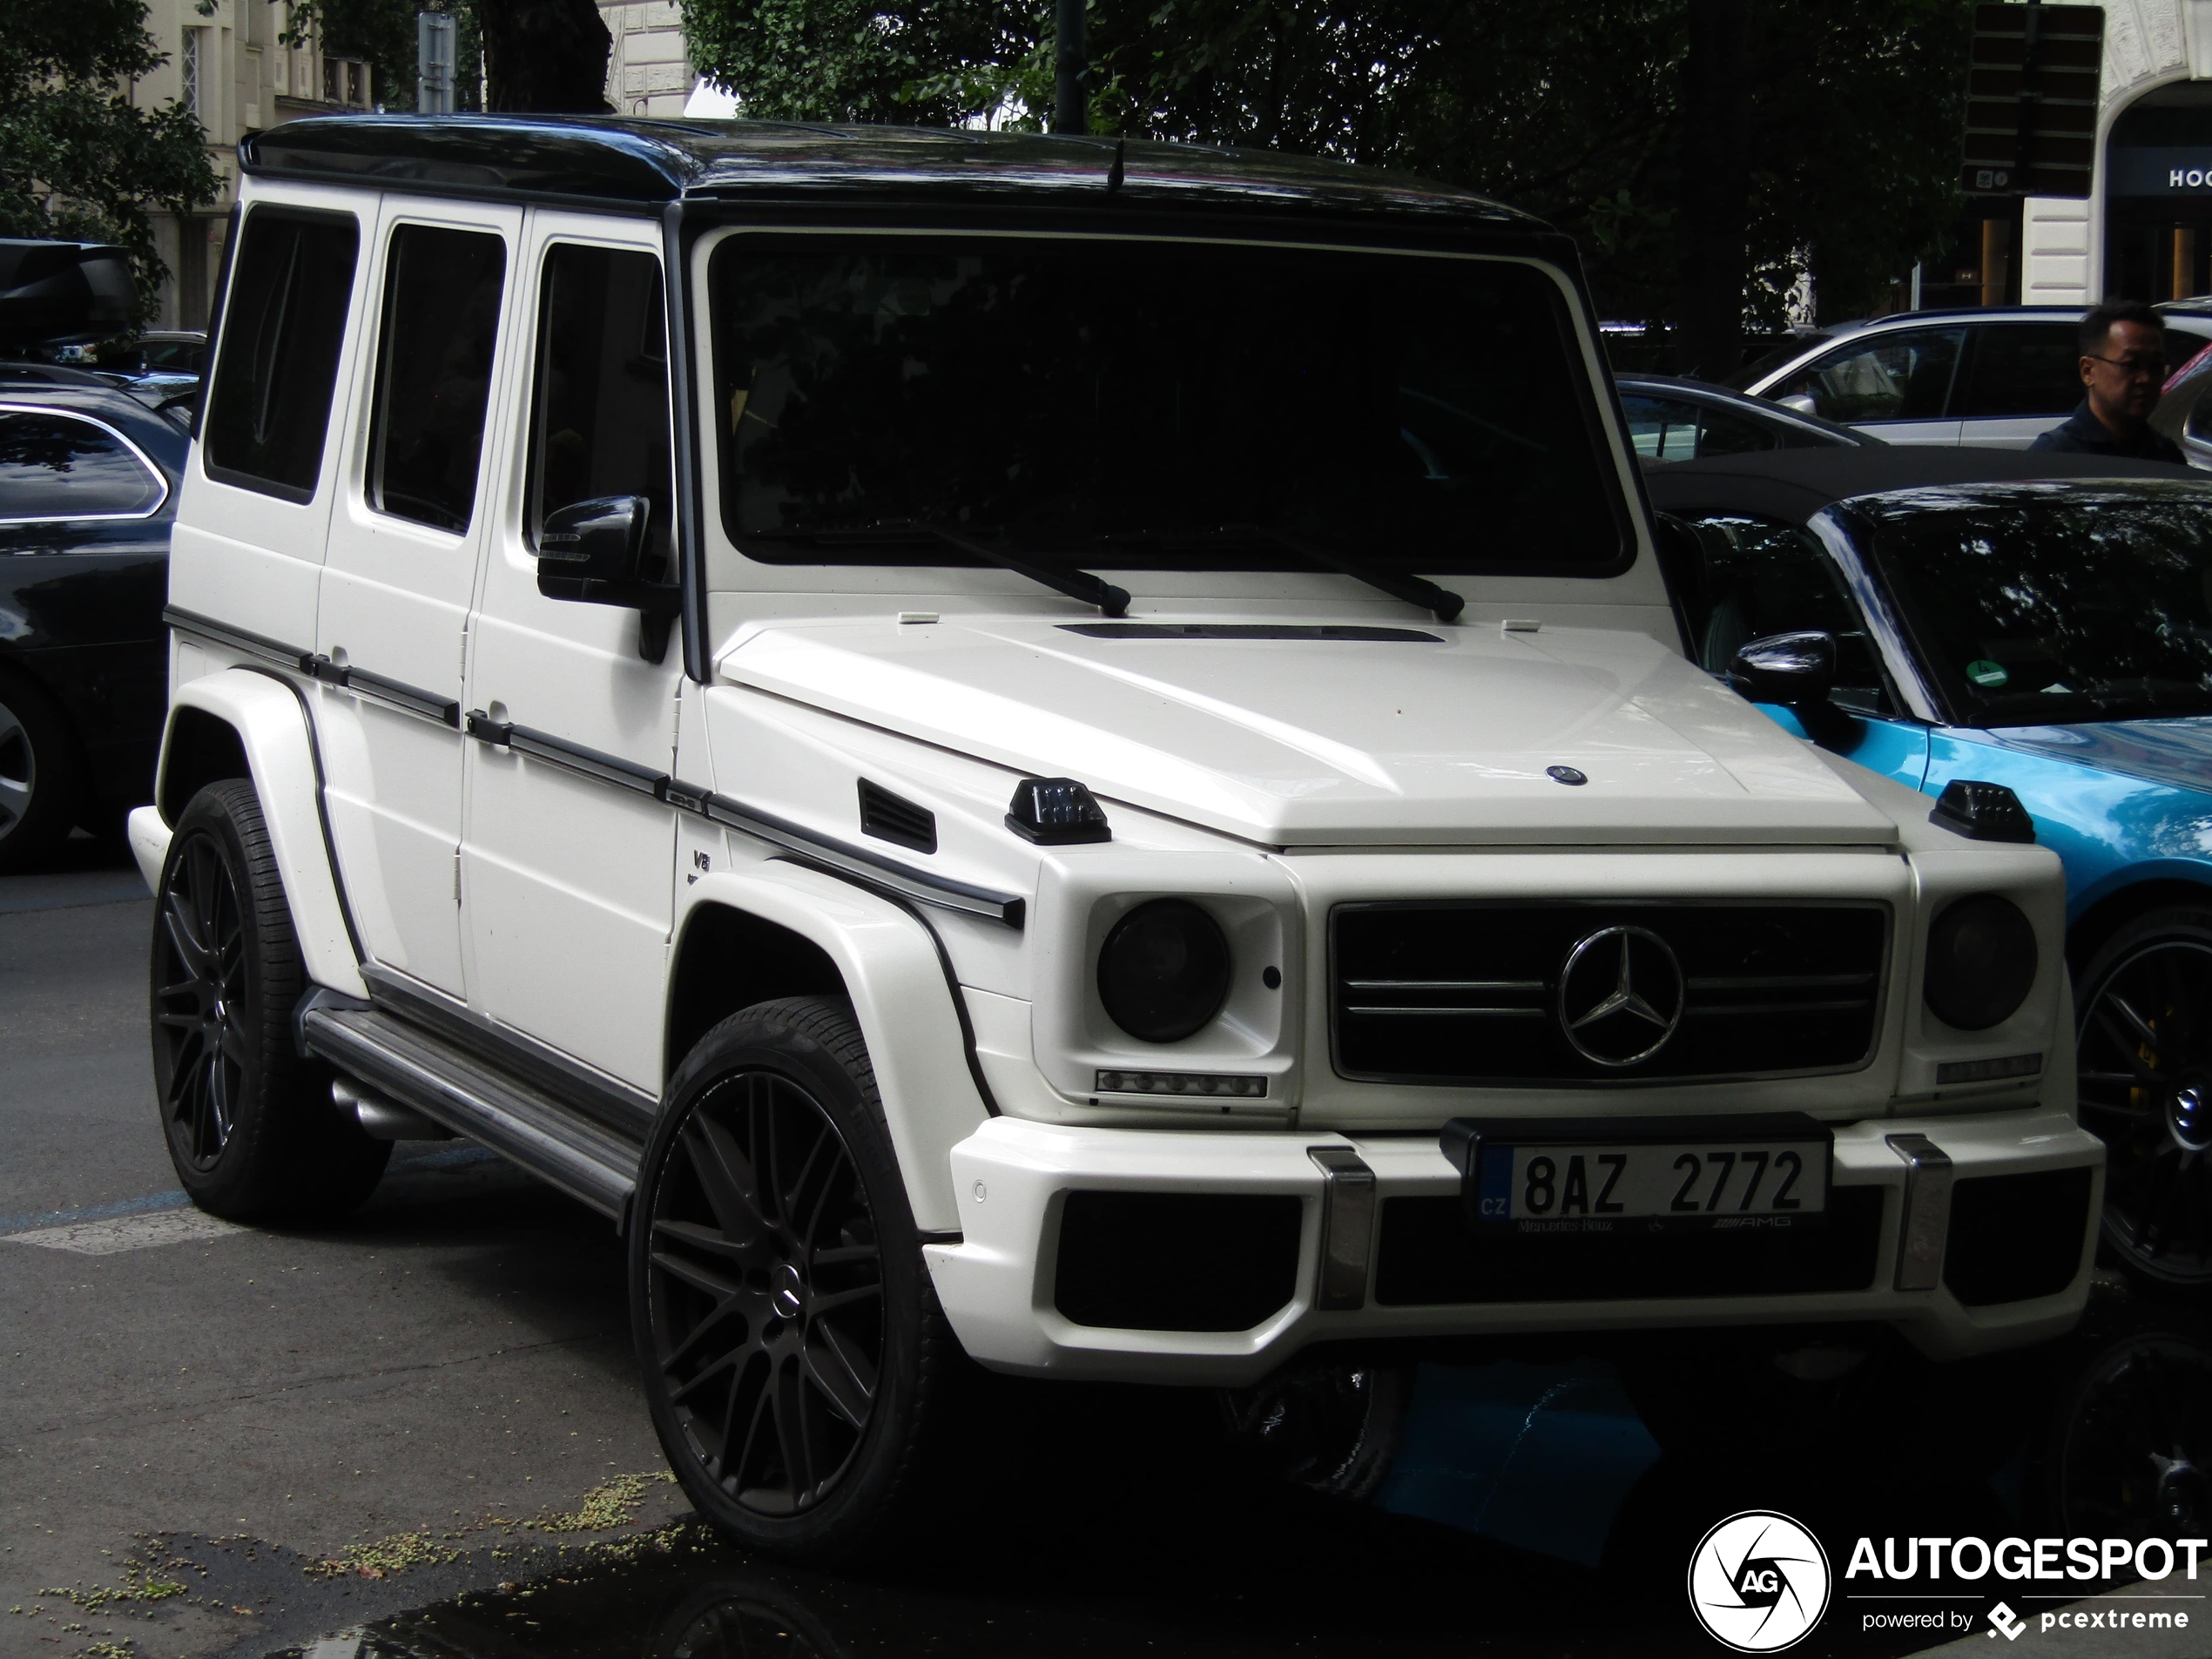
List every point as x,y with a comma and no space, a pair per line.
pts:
1759,1581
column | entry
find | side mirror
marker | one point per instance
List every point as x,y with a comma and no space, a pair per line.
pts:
1801,401
1798,672
593,551
598,541
1795,670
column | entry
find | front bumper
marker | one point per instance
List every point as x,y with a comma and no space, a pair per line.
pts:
998,1285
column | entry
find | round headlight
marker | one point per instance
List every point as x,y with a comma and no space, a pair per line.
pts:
1163,971
1981,961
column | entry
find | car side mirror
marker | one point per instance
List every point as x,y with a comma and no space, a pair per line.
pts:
594,551
1798,671
1801,401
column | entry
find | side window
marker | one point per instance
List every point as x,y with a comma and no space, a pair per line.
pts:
1899,377
1665,429
599,424
2023,369
433,372
1753,578
278,359
55,466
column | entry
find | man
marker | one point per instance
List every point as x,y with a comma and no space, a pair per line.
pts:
2123,366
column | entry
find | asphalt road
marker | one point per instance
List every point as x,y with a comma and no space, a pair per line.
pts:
416,1435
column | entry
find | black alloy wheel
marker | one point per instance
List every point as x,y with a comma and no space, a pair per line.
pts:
791,1348
39,785
2129,1450
251,1126
2145,1058
199,1001
1332,1428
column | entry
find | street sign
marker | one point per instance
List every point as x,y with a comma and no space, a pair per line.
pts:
2032,100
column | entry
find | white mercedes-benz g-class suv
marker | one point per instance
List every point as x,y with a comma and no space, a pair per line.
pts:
1069,753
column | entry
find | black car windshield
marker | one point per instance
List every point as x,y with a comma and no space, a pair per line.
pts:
2047,603
1153,405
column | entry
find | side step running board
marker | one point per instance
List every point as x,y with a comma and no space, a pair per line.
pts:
438,1080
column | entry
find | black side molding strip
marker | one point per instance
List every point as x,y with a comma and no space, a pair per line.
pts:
270,650
859,865
855,864
375,687
570,756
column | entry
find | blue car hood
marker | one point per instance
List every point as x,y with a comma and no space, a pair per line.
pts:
2177,753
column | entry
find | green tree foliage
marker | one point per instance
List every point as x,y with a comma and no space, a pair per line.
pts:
76,161
1843,117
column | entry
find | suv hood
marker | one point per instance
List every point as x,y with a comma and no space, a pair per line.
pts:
1441,736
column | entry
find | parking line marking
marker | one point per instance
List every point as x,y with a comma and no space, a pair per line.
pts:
119,1233
173,1199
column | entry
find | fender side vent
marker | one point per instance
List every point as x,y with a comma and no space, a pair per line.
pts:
894,818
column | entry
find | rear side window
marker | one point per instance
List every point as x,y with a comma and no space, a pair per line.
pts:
1664,429
433,372
600,423
2024,368
278,359
1899,377
55,466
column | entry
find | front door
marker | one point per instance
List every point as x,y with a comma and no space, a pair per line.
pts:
568,860
405,539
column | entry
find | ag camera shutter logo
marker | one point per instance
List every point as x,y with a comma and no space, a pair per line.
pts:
1759,1581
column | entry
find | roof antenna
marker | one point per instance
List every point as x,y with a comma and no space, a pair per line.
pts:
1114,172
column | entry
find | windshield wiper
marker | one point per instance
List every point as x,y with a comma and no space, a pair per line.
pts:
1441,603
1077,584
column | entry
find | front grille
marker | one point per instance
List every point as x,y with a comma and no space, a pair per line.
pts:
1430,1256
1471,993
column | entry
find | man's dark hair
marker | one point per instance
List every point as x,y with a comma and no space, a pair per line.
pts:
2096,327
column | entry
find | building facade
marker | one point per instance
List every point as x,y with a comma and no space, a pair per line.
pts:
229,65
648,72
2145,230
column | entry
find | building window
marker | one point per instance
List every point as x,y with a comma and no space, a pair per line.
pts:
332,80
191,64
357,84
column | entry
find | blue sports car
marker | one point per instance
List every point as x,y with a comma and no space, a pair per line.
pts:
2038,621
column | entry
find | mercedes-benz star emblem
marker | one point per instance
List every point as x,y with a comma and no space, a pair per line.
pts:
1619,996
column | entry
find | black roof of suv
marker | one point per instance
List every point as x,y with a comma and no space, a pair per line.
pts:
609,161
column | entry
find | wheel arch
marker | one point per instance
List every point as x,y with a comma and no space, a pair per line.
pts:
802,933
242,722
2112,910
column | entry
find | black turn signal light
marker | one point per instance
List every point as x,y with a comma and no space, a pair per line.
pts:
1056,811
1982,811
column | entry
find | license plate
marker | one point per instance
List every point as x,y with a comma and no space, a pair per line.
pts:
1706,1186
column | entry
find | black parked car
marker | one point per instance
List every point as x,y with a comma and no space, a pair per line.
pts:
1672,419
88,480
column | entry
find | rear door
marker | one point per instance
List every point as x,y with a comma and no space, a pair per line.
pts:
2020,379
254,507
1897,385
405,537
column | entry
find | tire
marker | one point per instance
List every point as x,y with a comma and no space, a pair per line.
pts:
797,1365
2145,1060
40,780
2121,1447
249,1124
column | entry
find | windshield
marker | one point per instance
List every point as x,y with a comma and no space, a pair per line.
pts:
1153,405
2041,603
